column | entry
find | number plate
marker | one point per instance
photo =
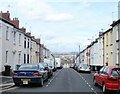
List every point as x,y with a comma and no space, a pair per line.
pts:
85,67
25,82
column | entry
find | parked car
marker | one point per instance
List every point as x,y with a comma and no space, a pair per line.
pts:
108,78
84,68
48,68
52,67
76,65
52,63
30,73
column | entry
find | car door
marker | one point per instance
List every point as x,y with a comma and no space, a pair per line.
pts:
99,76
104,75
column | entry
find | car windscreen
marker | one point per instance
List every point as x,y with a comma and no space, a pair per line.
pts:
85,65
28,67
115,72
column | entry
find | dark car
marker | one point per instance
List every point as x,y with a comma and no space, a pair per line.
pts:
30,73
48,68
108,78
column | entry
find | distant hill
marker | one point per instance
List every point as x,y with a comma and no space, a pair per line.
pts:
65,53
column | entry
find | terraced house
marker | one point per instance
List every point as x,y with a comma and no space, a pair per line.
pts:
116,42
16,45
108,47
11,44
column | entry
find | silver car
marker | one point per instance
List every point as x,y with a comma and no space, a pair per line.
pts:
84,68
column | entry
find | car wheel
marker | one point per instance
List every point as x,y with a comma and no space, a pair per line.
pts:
104,90
41,82
94,82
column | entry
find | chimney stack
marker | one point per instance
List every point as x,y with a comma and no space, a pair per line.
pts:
23,29
15,21
38,40
33,37
101,33
5,15
28,33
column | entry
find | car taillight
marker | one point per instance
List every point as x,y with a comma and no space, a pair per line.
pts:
36,74
112,78
15,74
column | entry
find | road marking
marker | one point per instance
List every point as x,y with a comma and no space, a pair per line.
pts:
9,89
53,78
7,84
86,82
48,83
92,88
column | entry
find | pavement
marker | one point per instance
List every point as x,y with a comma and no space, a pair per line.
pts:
6,82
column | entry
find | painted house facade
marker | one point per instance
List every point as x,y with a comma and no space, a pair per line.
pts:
35,50
116,42
108,48
11,44
82,56
18,46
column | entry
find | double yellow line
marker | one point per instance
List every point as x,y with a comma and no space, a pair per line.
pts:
8,89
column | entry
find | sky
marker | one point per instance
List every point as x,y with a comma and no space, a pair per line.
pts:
63,25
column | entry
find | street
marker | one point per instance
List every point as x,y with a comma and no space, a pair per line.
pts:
66,80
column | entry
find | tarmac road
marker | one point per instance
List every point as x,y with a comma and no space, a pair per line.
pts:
65,81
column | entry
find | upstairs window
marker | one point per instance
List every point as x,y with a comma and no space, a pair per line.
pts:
19,39
7,34
24,42
28,44
14,38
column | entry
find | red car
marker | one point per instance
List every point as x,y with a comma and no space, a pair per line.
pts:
108,78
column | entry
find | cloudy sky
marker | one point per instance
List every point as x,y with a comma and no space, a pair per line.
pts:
63,25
